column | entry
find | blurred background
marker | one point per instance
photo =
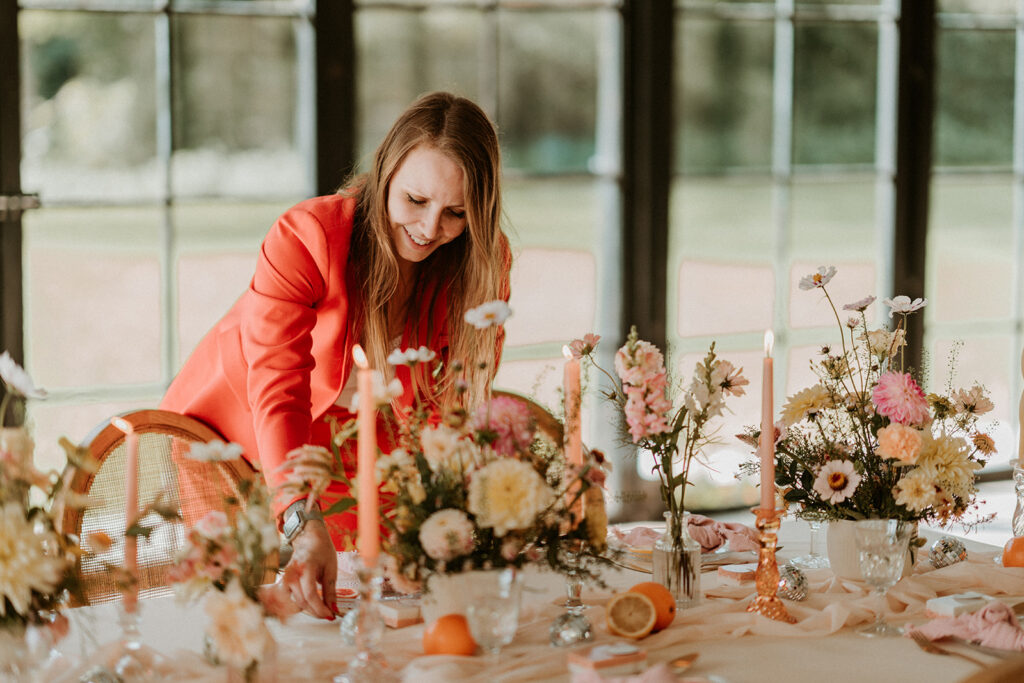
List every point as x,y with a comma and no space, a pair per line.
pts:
674,165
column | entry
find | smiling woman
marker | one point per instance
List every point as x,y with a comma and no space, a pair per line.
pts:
395,259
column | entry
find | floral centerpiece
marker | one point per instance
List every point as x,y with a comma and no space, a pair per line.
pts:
36,559
675,430
471,489
866,441
225,560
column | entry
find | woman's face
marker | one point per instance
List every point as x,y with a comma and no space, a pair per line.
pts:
425,204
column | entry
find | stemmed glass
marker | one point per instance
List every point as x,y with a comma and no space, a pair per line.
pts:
572,626
494,613
882,549
813,559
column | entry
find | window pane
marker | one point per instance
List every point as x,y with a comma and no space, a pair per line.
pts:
217,249
547,82
979,6
723,126
88,106
970,269
834,108
974,98
236,123
105,330
403,54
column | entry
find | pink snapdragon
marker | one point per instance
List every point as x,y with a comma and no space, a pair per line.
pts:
509,421
898,397
641,367
639,364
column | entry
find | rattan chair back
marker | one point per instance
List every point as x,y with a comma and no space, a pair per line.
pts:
194,488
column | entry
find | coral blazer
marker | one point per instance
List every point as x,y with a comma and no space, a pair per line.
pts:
278,359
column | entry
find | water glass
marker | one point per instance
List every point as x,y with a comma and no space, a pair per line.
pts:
813,559
882,550
493,614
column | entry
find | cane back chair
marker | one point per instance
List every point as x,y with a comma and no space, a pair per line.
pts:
192,487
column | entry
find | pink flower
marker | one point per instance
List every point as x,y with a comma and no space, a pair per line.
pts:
585,346
637,365
509,422
214,525
646,407
898,397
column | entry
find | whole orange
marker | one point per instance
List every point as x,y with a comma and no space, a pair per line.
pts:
1013,552
449,635
664,603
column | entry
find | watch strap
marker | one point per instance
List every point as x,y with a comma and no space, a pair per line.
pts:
295,517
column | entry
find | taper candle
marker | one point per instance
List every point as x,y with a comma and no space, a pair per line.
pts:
131,507
368,522
767,440
573,421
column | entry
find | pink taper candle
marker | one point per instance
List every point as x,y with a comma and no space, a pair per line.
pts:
131,506
767,441
573,422
368,541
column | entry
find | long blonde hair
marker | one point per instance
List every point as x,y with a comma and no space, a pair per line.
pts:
468,271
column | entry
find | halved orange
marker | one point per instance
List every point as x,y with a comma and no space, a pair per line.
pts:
630,614
664,603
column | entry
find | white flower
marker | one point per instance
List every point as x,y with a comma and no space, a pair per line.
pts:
16,447
307,470
215,451
946,461
398,459
213,525
24,564
447,534
818,279
508,495
411,356
491,313
836,481
445,447
16,379
860,305
916,491
383,393
903,304
883,343
236,626
700,398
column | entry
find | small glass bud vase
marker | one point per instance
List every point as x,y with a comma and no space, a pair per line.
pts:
676,559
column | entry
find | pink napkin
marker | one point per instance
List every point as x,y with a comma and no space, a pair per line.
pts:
710,534
656,674
994,625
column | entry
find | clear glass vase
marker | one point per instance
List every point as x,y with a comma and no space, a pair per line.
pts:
1017,525
676,559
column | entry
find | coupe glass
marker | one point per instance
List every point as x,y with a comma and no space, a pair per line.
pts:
813,559
882,550
494,615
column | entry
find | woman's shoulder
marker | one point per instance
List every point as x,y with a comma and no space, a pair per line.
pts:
328,210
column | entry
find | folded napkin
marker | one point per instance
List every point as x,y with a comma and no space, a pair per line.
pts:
994,625
710,534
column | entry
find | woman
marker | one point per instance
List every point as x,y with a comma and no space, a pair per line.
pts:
395,259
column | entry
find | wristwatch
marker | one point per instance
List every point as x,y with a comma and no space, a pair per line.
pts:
295,517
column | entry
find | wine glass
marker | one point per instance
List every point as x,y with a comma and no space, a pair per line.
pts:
882,550
813,559
493,615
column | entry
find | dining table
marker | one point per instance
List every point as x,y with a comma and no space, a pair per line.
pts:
731,644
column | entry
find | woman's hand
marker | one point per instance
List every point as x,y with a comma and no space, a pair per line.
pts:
313,554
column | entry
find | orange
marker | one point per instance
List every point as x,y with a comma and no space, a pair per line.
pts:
664,603
1013,552
630,614
449,635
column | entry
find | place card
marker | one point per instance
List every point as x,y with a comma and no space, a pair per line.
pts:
736,574
399,613
955,605
616,659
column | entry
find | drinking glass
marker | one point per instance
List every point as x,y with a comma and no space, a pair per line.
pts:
813,559
494,614
882,550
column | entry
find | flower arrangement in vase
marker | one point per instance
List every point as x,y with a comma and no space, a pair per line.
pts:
674,427
37,560
226,560
866,441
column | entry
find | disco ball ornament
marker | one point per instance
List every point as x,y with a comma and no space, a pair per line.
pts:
946,551
792,583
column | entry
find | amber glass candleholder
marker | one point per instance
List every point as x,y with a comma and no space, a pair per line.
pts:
767,601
